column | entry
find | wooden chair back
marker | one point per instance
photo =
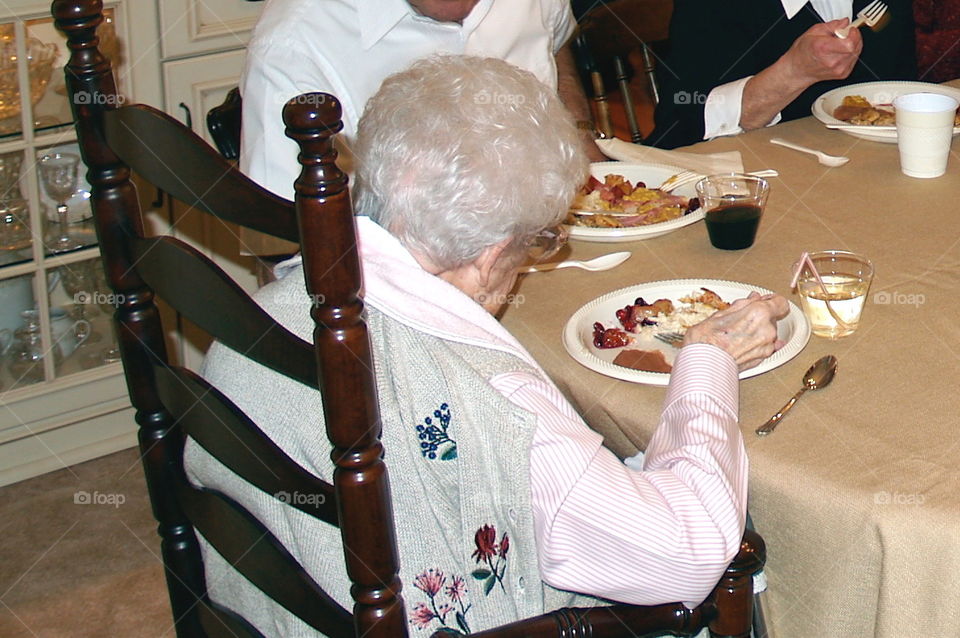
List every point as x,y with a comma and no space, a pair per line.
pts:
173,403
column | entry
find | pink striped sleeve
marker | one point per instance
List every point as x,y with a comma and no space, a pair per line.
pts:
661,535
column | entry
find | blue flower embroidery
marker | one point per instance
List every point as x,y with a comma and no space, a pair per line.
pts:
433,436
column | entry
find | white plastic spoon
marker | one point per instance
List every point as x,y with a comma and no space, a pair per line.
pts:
603,262
823,158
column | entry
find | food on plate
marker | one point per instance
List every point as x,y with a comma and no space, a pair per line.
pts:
616,194
643,321
647,360
856,109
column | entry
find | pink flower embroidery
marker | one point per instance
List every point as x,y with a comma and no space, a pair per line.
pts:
457,589
422,615
449,614
430,582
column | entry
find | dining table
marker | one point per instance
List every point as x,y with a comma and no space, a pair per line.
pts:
856,493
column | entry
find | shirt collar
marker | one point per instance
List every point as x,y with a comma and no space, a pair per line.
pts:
378,17
792,7
398,286
828,9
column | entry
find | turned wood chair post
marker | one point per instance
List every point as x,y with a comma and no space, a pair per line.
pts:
734,593
137,320
352,417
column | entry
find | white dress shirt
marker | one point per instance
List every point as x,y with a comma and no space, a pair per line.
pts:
721,112
348,47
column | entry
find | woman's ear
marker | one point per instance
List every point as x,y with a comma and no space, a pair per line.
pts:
488,260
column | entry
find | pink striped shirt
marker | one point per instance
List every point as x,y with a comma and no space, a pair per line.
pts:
644,537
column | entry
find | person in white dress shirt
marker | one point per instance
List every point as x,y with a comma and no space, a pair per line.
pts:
744,64
347,48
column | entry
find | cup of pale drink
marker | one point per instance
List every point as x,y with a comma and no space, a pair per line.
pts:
833,286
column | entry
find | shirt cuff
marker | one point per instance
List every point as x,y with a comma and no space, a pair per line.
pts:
707,369
721,111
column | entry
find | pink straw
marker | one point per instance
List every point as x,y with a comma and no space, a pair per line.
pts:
805,260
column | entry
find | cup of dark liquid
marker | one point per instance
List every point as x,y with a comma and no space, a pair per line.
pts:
734,203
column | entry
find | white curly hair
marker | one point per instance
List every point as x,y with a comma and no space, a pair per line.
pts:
458,153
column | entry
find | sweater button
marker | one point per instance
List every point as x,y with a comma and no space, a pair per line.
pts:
521,583
512,513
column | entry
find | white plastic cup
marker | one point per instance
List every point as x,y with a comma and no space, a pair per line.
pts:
924,132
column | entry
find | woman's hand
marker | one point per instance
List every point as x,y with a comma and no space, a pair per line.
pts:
747,329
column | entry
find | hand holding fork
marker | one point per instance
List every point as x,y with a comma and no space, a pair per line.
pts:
870,16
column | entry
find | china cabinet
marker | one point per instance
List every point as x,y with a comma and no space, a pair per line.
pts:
62,395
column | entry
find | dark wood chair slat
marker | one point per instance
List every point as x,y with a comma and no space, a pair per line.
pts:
257,554
162,147
221,428
222,308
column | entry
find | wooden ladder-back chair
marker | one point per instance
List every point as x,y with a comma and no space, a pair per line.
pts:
173,403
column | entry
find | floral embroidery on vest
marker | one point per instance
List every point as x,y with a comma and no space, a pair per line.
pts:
487,549
432,581
433,436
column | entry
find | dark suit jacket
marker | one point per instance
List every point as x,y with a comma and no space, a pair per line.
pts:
713,42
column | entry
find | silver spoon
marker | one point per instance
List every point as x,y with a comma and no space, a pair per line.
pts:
823,158
603,262
818,376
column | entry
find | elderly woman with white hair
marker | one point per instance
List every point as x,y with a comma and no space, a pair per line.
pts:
507,504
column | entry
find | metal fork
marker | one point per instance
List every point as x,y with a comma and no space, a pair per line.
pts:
674,339
870,15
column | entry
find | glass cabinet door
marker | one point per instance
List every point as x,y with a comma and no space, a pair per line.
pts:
55,306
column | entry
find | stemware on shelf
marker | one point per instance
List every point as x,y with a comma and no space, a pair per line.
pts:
58,173
27,352
104,297
79,281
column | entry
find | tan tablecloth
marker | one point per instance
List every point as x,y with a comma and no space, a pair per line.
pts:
857,492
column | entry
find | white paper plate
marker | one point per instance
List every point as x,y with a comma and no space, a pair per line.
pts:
876,93
578,333
652,175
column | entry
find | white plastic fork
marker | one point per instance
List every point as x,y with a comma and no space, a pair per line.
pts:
676,181
870,15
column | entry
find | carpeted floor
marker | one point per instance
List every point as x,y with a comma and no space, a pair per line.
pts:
80,554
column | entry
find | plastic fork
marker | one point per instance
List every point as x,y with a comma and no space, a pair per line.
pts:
870,15
676,181
674,339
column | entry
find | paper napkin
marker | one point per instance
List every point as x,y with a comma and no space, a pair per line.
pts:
706,163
